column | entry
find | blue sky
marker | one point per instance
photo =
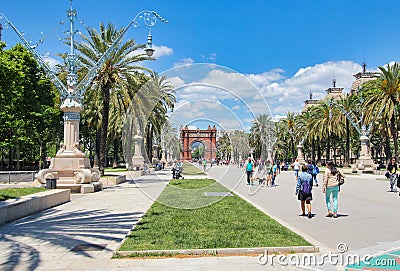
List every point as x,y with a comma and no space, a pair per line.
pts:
284,48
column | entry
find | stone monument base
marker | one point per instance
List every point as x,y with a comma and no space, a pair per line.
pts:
72,173
364,165
81,188
137,162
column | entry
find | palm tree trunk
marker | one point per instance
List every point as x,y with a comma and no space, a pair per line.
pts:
347,151
104,127
319,154
292,147
393,127
313,149
388,152
149,139
96,158
328,148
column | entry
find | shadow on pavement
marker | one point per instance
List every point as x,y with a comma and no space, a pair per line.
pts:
58,229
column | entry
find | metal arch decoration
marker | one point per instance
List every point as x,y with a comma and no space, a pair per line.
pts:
75,90
363,130
31,48
149,19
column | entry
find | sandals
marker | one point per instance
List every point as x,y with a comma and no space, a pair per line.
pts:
329,214
335,215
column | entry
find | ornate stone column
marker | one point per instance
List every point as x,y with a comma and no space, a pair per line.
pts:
137,159
163,156
365,162
154,160
70,166
300,154
269,154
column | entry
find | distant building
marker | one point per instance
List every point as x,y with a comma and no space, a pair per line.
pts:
308,103
361,78
334,92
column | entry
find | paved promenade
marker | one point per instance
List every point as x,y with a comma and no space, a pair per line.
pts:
82,234
368,212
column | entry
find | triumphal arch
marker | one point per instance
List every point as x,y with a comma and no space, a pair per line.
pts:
207,137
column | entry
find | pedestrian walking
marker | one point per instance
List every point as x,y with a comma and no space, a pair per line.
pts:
331,187
204,165
313,170
304,191
392,169
275,170
268,172
249,170
296,167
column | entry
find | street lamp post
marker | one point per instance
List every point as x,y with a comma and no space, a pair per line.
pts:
364,162
70,166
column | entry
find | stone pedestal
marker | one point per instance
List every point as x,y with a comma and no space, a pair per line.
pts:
365,162
269,154
137,159
300,155
154,160
163,157
70,166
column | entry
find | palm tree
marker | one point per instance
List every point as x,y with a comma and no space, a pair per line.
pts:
324,123
281,149
160,98
113,76
383,103
290,126
350,105
169,138
303,123
263,129
240,145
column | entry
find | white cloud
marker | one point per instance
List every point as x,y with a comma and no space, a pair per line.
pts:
265,93
185,61
236,107
162,50
176,81
211,58
290,94
52,62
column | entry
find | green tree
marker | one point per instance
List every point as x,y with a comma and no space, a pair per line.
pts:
262,132
28,115
113,76
383,103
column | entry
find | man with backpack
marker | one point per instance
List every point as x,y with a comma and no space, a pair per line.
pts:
304,190
249,170
313,170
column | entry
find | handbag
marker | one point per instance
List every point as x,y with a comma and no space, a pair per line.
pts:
340,179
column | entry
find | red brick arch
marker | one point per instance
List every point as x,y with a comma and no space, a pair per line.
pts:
207,137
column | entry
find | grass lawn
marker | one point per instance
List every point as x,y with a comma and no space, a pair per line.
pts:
221,222
13,193
189,169
118,169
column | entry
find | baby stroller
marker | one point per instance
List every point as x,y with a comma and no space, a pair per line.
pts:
177,173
